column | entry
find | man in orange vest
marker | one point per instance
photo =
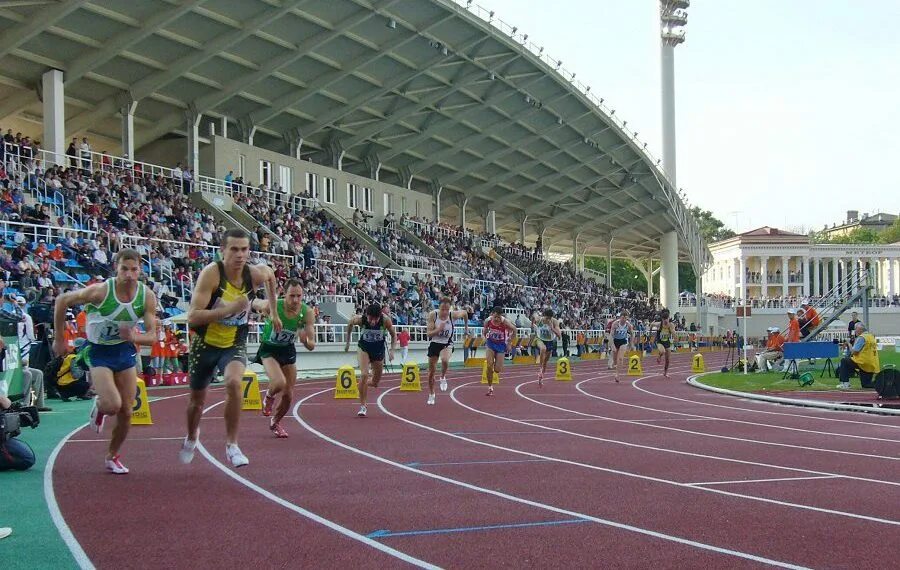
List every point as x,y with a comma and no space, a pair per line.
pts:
863,356
809,319
774,351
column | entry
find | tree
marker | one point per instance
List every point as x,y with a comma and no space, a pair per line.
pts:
891,234
711,228
857,235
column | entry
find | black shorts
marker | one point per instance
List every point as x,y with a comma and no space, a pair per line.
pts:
206,361
549,345
620,342
435,349
283,355
664,343
376,353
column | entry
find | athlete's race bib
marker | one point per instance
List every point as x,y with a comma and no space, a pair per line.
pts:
370,335
236,320
283,337
109,332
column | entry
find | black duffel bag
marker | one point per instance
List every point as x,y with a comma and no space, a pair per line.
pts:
887,383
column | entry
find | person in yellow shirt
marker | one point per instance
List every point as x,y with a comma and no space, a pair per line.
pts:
863,356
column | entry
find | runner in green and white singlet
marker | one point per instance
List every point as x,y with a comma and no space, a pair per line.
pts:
113,309
278,353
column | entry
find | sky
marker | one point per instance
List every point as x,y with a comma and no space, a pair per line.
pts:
787,111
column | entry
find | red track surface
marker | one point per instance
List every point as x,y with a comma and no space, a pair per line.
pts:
620,463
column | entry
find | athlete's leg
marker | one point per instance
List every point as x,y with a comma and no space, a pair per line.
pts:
195,411
445,361
276,382
364,381
289,374
666,367
377,369
126,384
233,373
432,369
109,402
489,357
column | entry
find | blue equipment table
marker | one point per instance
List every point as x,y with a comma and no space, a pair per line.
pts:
794,351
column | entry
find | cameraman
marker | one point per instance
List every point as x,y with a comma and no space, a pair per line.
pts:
14,453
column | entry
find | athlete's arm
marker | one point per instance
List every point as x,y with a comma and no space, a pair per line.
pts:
149,336
431,324
512,328
309,329
93,295
354,320
464,315
260,306
554,324
198,314
393,332
264,274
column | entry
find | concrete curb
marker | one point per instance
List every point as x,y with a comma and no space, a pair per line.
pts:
874,409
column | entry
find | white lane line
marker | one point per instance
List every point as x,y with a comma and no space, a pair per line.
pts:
129,439
664,450
765,480
637,475
756,411
606,420
81,558
309,514
529,502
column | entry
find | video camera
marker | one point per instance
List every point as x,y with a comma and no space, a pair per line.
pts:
15,418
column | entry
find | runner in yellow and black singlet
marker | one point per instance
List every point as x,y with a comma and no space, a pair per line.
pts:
219,315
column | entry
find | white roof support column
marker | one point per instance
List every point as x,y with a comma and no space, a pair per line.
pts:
609,263
53,91
248,130
294,140
462,200
192,126
223,126
522,228
127,107
436,190
373,165
668,278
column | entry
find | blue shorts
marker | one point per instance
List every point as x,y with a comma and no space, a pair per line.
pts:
375,350
116,357
550,345
498,347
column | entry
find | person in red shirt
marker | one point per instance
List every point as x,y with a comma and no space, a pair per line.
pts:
793,330
809,319
403,339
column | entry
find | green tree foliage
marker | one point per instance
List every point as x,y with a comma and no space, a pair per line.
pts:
711,228
857,235
891,234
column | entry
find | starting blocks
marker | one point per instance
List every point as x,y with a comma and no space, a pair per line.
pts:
251,397
563,369
697,364
140,412
345,384
410,381
634,365
484,375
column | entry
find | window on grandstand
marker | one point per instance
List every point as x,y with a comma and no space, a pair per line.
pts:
329,190
312,184
242,166
387,203
367,200
265,173
286,178
351,196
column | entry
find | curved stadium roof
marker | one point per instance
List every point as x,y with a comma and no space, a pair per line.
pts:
427,88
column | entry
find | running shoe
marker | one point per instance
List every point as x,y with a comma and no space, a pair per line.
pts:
843,386
98,418
233,452
443,384
430,401
276,428
268,404
362,412
490,391
186,455
115,465
541,379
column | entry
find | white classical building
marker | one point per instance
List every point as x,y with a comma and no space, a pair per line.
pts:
768,263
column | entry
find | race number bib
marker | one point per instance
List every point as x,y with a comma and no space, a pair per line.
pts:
109,331
283,337
236,320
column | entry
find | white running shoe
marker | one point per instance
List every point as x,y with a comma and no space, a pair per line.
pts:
430,401
362,412
443,384
186,455
843,386
115,465
233,452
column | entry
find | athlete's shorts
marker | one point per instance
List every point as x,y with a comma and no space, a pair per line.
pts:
497,347
436,348
549,345
376,353
283,355
663,346
620,342
204,361
116,357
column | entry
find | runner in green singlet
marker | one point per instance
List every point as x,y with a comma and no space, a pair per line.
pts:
278,353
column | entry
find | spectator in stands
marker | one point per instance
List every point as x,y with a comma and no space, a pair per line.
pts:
862,356
774,351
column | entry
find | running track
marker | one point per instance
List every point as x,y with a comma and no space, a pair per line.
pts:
588,473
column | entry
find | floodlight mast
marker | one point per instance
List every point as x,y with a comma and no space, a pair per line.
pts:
672,18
